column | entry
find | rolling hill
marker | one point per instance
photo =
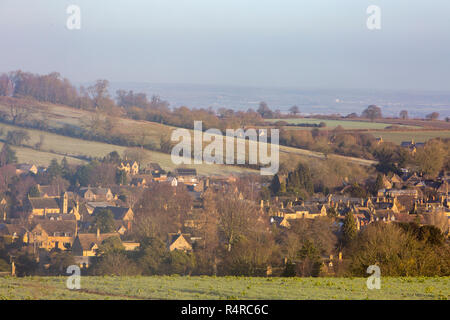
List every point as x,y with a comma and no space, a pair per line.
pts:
58,146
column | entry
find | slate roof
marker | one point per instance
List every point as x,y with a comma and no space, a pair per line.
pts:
185,172
118,212
42,203
99,191
87,240
10,229
51,191
62,226
154,167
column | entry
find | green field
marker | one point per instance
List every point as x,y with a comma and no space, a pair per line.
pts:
57,146
60,146
331,124
216,288
418,136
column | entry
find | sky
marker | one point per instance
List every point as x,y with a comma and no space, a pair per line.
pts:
275,43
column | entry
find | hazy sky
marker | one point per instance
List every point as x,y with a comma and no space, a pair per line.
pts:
295,43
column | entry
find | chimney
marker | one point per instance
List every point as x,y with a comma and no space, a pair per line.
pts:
98,233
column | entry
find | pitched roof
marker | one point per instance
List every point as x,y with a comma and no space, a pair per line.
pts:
130,162
407,143
10,229
49,190
44,203
154,167
118,212
96,190
87,240
139,180
173,237
59,217
278,220
311,208
396,179
53,226
26,166
185,172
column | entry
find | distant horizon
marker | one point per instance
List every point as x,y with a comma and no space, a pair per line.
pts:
311,100
314,100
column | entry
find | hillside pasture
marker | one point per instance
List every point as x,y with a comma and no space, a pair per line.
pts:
58,146
57,116
417,135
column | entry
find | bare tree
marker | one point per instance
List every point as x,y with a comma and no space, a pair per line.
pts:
404,114
372,112
134,154
235,217
18,111
432,116
39,144
294,110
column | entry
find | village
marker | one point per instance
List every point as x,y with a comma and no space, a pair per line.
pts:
57,218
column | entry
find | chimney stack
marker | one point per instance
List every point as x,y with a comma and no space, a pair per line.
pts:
98,233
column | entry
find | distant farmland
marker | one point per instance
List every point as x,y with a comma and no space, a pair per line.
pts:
217,288
418,136
331,124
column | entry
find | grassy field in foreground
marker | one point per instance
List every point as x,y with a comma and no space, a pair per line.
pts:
195,288
331,124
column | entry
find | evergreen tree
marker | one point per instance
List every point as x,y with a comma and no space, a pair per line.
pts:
82,175
34,192
121,177
112,157
275,185
300,180
378,184
104,220
349,228
54,170
65,167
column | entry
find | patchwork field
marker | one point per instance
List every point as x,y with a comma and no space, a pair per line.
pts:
57,146
58,116
195,288
331,124
418,136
